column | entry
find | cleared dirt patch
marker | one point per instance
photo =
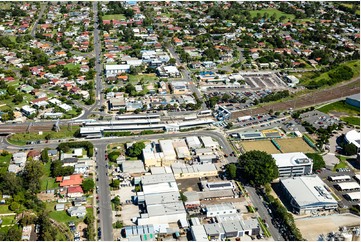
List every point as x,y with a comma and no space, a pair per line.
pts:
311,228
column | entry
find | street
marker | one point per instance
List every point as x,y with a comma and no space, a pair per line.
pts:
104,204
257,202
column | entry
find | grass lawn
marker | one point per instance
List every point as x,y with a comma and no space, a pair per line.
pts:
47,183
340,106
114,17
342,163
147,78
5,209
4,163
271,12
12,38
63,217
8,220
71,66
21,139
351,120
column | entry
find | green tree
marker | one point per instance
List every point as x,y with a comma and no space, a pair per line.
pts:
115,184
136,149
113,156
11,90
182,197
350,149
18,98
45,155
32,172
258,167
318,161
88,185
232,171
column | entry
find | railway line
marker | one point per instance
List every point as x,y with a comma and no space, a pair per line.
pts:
317,97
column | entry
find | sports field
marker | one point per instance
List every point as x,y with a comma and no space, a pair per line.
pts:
287,145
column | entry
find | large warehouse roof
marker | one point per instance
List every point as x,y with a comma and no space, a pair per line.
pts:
291,159
308,190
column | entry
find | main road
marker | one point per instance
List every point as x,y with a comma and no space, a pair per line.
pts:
43,6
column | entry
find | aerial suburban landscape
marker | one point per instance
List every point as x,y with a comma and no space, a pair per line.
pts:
179,121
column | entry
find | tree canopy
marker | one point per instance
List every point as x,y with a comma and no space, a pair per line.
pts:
258,167
88,185
136,149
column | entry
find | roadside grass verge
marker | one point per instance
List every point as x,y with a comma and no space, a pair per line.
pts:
263,227
351,120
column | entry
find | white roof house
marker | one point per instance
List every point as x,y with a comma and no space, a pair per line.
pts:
77,211
308,193
65,107
220,209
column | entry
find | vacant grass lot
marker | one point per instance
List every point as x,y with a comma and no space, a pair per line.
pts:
340,106
4,163
21,139
271,12
72,66
351,120
146,78
309,76
8,220
114,17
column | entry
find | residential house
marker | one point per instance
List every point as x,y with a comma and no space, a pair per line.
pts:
75,191
79,212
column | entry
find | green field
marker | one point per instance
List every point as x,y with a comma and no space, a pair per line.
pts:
342,164
351,120
114,17
271,12
340,106
309,76
21,139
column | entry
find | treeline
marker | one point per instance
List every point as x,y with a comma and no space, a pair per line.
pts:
128,133
65,147
275,96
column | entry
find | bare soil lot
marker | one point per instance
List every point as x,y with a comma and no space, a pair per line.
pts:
311,228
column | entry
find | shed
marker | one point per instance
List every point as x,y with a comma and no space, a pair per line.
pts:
60,207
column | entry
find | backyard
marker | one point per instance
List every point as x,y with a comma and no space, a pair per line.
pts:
4,163
114,17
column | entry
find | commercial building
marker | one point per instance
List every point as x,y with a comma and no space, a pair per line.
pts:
293,164
208,142
220,209
182,171
193,142
353,137
348,186
161,197
353,196
199,233
168,71
292,80
181,149
131,166
114,70
204,159
151,156
168,150
308,194
353,100
140,233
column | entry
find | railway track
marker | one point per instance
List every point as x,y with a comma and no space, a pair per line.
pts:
307,100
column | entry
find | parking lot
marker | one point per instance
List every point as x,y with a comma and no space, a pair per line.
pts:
343,202
318,119
271,81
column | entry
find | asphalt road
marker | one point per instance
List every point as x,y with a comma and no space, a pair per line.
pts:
43,6
262,211
104,204
187,75
98,67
